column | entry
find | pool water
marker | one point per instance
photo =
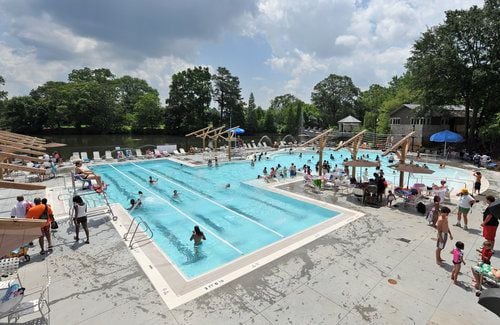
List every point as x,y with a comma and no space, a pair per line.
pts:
237,220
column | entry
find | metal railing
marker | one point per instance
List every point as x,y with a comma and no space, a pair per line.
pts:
138,221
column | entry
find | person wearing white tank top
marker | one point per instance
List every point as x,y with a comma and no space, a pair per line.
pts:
80,217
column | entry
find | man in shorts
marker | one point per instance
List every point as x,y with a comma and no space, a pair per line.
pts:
490,222
36,212
443,231
477,183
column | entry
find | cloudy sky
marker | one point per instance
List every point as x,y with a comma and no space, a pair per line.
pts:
273,46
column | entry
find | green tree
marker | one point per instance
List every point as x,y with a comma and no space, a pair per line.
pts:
148,112
188,105
458,62
53,98
3,97
269,123
287,109
335,97
251,117
3,93
130,89
21,115
86,75
227,94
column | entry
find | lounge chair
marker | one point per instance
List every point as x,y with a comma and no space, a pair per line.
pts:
108,156
120,156
86,183
264,144
176,152
37,306
75,157
97,156
182,151
129,155
254,146
84,156
484,271
138,154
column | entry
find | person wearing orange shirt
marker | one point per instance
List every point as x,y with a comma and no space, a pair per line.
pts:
42,210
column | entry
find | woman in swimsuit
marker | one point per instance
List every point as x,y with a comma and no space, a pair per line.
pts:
197,236
87,174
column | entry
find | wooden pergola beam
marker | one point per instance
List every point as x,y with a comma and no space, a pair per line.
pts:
321,138
8,155
41,171
403,146
355,141
198,132
14,149
21,141
20,144
22,136
21,186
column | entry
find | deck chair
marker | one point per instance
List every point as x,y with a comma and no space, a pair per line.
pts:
120,156
97,156
84,156
182,151
40,305
176,152
75,157
264,144
254,146
129,155
108,156
86,183
138,154
484,271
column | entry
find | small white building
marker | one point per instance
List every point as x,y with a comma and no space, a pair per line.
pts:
349,124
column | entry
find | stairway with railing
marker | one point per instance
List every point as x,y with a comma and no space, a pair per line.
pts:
138,221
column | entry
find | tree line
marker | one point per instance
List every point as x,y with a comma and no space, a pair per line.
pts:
455,62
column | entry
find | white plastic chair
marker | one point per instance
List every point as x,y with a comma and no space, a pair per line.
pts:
182,151
107,155
84,156
40,305
138,154
97,156
75,156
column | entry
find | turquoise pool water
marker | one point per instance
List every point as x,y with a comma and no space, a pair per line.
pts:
237,221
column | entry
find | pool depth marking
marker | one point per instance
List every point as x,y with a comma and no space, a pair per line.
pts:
210,200
178,210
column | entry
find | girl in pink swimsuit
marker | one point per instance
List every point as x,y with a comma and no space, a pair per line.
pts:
458,259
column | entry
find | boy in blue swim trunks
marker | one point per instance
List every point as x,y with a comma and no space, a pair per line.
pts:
443,231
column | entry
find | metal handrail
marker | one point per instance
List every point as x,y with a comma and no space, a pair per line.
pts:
131,224
145,224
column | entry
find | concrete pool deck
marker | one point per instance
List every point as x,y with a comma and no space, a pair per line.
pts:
340,278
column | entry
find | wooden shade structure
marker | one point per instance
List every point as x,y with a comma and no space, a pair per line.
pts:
353,146
401,148
15,232
15,146
204,133
321,139
361,163
227,135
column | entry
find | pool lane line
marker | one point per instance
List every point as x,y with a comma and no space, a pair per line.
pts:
178,210
212,201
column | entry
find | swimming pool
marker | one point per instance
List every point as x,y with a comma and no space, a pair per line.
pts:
237,221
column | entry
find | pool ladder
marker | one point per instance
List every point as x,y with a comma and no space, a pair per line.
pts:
138,221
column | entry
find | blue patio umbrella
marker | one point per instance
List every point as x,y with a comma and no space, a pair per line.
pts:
446,136
238,131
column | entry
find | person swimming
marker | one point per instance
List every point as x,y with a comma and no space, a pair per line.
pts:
152,181
175,195
227,185
197,236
